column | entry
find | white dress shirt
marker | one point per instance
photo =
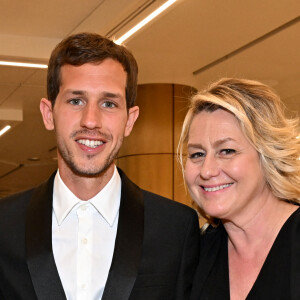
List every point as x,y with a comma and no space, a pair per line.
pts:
83,237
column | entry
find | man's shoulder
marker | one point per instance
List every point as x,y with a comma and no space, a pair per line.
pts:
154,200
13,210
24,196
18,198
161,203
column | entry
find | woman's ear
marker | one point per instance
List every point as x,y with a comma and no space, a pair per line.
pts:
47,113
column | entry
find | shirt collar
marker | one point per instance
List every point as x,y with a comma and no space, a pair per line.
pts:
107,201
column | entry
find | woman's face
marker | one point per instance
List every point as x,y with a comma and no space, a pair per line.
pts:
223,170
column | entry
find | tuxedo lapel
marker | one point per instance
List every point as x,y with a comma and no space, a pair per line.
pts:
40,257
129,242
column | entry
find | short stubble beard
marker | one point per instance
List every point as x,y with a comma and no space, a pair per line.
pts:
69,160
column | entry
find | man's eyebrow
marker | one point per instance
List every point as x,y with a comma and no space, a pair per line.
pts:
75,92
84,93
111,95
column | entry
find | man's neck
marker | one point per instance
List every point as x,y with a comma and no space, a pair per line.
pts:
85,187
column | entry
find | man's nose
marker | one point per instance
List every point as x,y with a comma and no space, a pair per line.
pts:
91,117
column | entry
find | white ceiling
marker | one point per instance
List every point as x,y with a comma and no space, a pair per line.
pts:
257,39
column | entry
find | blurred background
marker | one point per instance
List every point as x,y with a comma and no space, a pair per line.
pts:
189,45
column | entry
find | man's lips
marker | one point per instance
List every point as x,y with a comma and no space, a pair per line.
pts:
90,138
91,143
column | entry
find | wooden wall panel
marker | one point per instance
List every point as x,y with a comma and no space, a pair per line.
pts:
152,132
150,172
180,191
182,94
148,155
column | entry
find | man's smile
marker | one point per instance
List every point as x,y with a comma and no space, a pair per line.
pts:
90,143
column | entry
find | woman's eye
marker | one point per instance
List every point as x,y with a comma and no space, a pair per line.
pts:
196,155
76,101
227,151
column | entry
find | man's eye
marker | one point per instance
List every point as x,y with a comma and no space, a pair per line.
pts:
109,104
76,101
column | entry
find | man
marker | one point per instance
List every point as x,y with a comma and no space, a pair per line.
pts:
89,232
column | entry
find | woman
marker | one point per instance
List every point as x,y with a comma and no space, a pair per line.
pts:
243,171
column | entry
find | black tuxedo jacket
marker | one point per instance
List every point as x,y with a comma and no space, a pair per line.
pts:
155,256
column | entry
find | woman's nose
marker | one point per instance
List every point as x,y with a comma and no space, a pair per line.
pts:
210,167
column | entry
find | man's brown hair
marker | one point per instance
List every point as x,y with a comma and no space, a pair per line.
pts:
82,48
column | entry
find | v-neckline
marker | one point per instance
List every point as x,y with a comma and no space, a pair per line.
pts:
268,258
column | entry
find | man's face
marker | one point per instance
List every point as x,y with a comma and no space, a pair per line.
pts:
89,117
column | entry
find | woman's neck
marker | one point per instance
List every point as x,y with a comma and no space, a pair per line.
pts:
251,234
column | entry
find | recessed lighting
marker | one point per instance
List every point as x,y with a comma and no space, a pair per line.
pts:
33,159
5,129
20,64
144,22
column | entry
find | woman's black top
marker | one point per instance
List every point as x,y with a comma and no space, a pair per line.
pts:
279,277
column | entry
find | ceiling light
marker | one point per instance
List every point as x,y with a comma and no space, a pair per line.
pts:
19,64
144,22
33,159
3,130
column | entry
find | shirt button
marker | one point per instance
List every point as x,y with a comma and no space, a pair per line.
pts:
83,207
84,241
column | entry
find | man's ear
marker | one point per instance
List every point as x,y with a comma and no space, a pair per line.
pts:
47,113
133,114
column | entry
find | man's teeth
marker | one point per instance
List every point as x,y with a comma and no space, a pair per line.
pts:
217,188
90,143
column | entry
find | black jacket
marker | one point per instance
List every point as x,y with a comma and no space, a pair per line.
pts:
155,255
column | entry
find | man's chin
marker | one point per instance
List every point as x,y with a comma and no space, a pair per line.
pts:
91,172
90,168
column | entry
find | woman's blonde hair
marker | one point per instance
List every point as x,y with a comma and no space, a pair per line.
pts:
260,113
